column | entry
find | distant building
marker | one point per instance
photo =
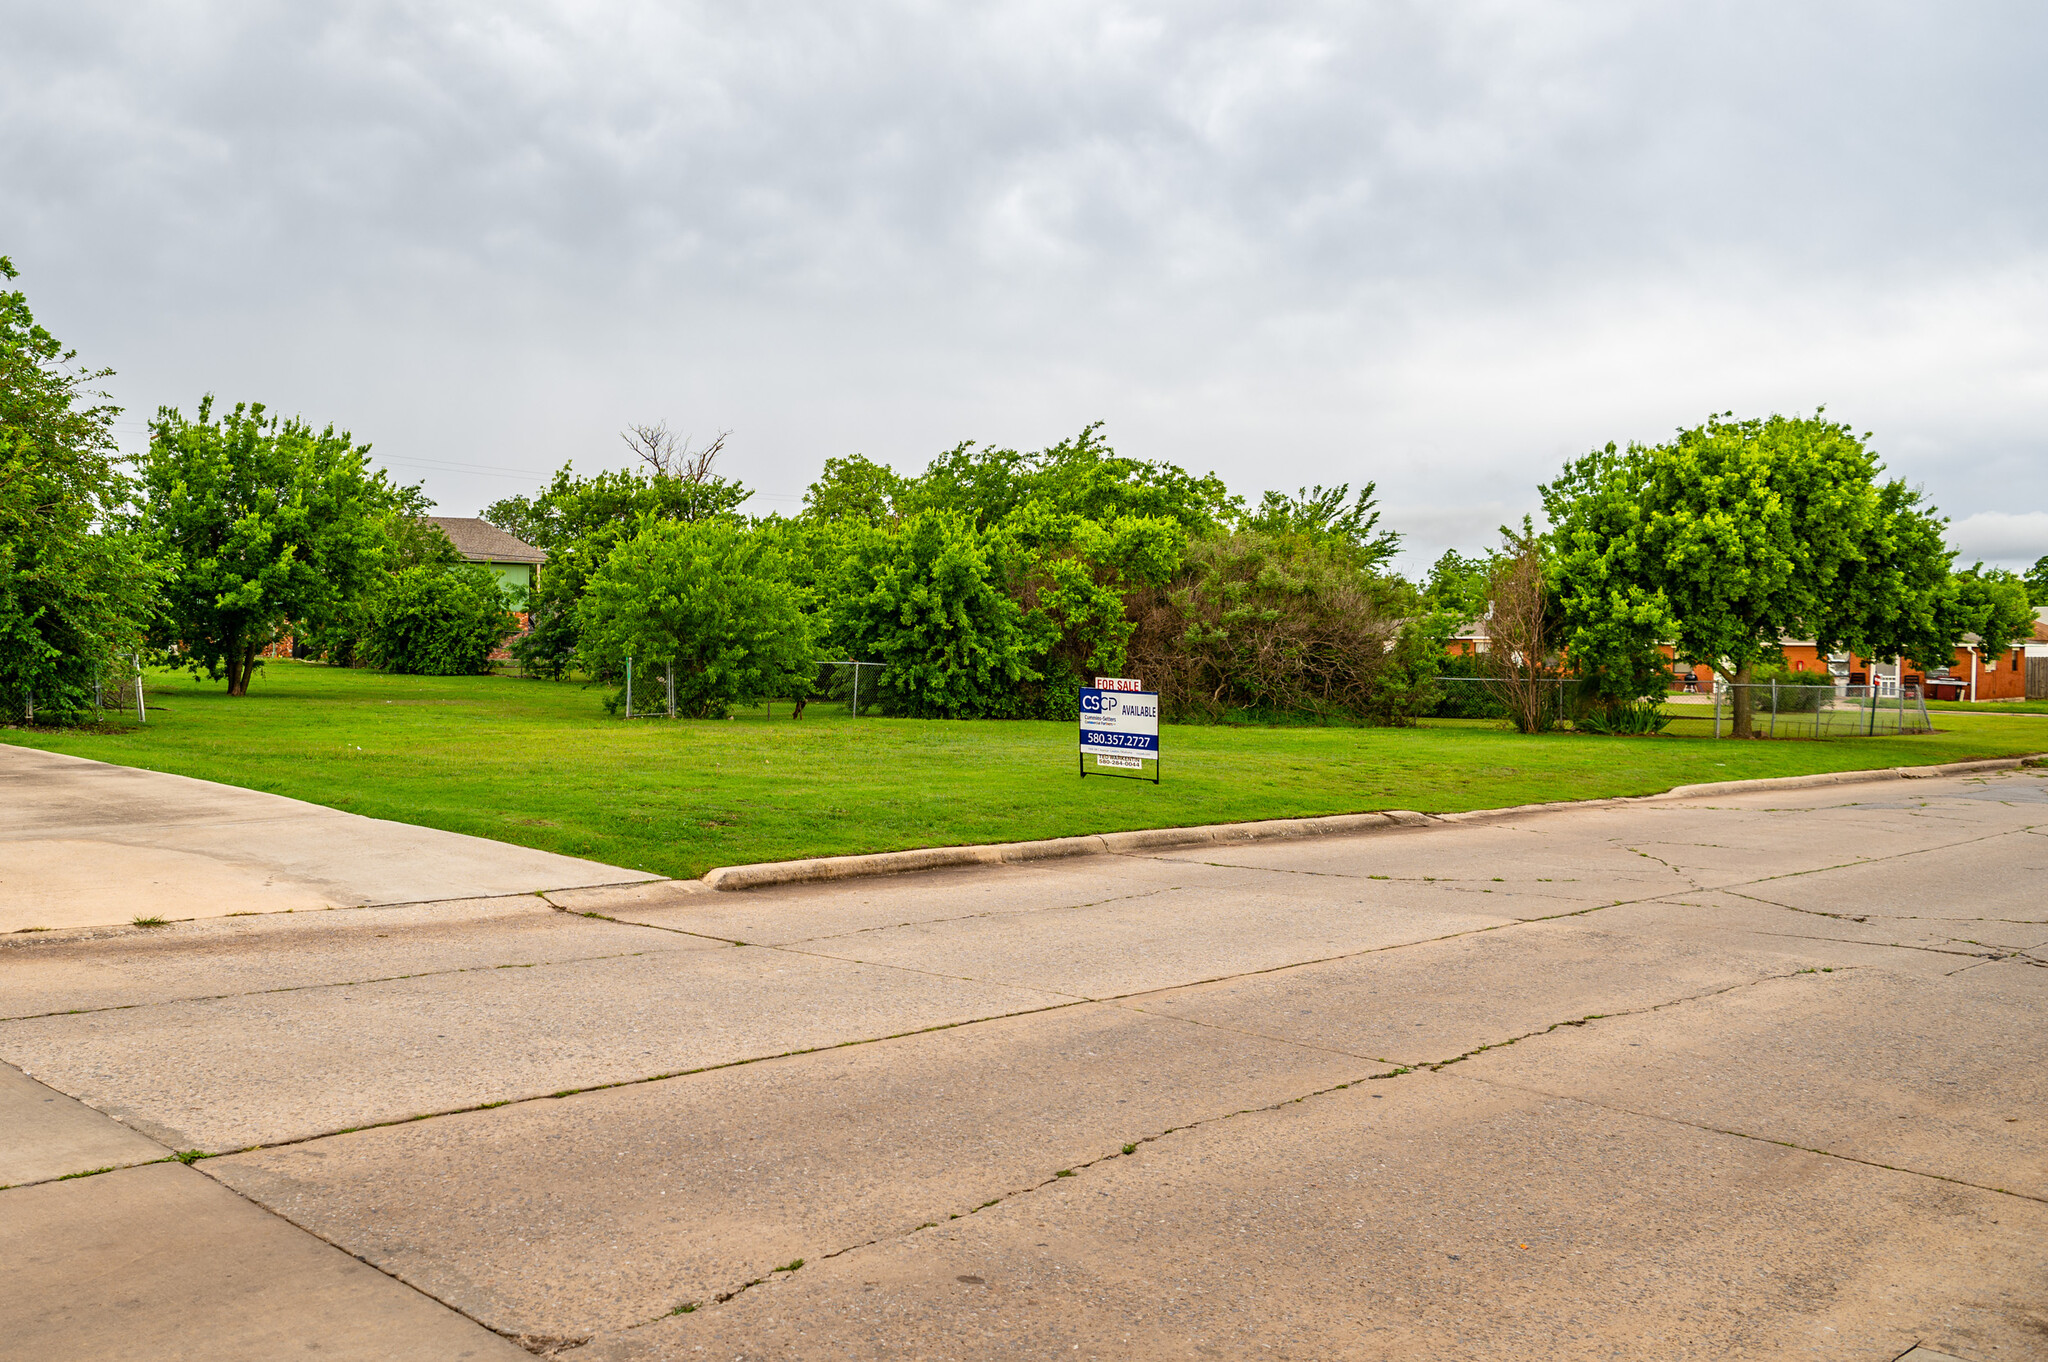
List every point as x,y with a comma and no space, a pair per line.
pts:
479,541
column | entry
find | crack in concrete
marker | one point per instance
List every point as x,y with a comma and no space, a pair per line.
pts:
1866,917
1126,1150
990,914
1450,882
1130,1147
1759,1138
1627,1012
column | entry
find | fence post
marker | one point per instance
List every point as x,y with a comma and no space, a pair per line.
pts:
671,688
1774,709
1717,709
629,685
856,690
1902,700
141,711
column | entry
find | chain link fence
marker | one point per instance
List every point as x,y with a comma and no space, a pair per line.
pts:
1778,709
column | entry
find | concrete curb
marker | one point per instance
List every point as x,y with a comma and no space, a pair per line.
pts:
1008,853
826,868
1954,768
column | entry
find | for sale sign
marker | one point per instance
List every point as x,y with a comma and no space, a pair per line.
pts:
1119,723
1118,683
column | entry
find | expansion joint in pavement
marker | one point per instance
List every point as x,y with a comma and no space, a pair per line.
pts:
370,1263
327,983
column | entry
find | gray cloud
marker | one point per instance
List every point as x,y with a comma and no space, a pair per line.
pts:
1440,245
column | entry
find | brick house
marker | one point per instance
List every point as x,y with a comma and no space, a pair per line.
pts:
1968,675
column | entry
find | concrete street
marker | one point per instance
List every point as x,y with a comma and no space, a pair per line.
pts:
1760,1075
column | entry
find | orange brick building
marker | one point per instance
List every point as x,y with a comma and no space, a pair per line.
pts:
1968,675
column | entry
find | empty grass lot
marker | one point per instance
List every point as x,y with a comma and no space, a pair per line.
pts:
540,764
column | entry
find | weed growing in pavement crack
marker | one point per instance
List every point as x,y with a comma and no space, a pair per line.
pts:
686,1308
189,1155
1128,1149
149,922
1064,1173
791,1266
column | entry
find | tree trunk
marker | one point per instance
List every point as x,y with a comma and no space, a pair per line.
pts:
241,661
1745,701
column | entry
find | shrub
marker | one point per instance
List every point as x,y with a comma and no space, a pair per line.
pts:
1625,717
708,598
928,601
438,621
1263,624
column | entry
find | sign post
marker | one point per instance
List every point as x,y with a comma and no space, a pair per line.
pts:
1119,727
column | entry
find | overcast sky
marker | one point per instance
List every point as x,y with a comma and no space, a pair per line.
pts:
1442,246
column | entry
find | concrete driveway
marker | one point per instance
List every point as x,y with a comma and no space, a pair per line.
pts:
86,844
1756,1076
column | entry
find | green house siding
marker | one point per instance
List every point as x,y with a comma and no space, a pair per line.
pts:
516,579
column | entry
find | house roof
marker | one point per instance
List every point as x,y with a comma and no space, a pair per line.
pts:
482,542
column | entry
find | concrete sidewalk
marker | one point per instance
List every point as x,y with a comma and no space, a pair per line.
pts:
86,844
1747,1075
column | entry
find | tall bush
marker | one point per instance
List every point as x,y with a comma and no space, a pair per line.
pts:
1268,624
709,599
75,585
929,601
438,621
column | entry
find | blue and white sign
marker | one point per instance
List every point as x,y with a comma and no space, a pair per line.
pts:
1120,723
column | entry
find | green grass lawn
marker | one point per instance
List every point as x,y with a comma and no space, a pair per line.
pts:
539,763
1989,706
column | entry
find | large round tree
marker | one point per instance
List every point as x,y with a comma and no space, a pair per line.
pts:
1737,534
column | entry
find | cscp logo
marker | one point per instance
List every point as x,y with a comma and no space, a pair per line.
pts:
1091,702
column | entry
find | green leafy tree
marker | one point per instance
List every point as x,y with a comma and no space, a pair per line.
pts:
438,620
1993,604
1456,585
1322,513
410,541
855,489
1072,576
579,521
1737,534
572,508
2037,581
930,601
1082,476
709,598
76,588
270,525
